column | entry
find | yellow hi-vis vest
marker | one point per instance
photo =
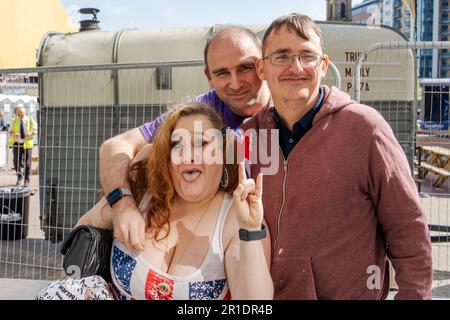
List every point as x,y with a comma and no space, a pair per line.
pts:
30,125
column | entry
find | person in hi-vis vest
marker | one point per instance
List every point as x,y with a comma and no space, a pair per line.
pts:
21,134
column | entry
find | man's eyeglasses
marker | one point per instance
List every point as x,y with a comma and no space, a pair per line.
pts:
307,60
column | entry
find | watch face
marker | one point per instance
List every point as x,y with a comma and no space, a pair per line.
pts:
114,196
116,193
242,235
252,235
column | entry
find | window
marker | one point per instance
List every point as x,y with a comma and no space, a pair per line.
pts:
31,79
343,10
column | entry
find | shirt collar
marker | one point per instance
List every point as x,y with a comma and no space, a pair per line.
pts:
306,121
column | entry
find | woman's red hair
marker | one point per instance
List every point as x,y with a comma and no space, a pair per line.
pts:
154,178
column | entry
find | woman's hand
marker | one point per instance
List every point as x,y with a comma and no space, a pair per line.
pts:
248,262
248,201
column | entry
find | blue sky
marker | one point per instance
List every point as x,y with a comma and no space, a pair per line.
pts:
154,14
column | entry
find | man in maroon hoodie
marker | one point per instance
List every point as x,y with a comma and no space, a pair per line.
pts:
348,202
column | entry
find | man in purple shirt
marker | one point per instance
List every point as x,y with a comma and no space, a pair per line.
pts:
237,93
230,118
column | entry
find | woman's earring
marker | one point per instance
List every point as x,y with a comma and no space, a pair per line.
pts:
224,180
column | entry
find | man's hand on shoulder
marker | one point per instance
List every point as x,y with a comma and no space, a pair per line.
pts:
115,156
128,224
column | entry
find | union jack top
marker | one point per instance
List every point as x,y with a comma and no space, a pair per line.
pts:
135,278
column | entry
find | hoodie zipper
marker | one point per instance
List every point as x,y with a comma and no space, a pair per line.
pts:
280,213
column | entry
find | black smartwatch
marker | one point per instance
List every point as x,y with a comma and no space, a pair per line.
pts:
246,235
117,194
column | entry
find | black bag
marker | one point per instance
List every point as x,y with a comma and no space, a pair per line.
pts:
87,250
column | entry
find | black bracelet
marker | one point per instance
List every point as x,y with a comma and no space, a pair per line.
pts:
246,235
117,194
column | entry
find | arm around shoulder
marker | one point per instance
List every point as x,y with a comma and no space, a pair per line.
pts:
115,155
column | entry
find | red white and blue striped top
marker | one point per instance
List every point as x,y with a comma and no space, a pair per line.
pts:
135,278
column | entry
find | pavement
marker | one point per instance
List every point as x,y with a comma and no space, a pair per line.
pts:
20,289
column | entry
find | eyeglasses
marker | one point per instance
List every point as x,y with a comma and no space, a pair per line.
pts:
307,60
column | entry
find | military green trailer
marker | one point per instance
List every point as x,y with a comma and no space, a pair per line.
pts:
84,105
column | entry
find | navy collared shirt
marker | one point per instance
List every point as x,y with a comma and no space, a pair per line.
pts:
288,138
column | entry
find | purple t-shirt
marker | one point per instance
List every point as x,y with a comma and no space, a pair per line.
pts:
211,98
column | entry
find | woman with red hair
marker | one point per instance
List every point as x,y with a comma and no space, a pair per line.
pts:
204,219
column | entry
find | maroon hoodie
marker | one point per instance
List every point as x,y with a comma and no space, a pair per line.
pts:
342,204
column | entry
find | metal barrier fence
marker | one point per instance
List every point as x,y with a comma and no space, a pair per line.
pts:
418,114
80,107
